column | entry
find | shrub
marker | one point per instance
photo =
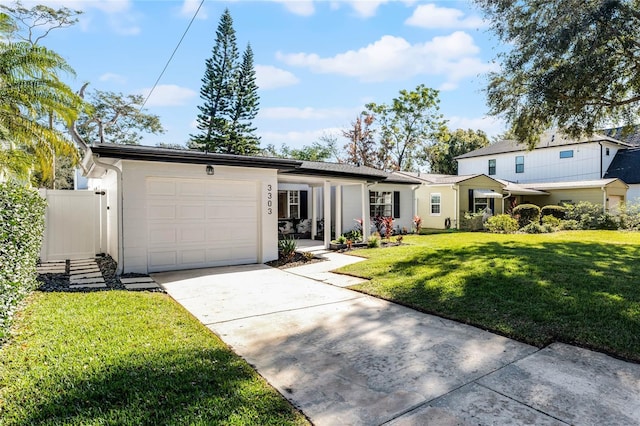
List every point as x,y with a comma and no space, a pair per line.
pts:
591,216
536,228
341,239
374,241
501,224
555,211
387,226
569,225
630,217
526,213
287,247
551,221
21,229
471,222
353,235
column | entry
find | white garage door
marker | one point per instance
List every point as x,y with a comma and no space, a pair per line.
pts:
196,223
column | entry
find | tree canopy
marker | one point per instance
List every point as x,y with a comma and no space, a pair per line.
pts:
572,64
230,97
406,125
442,153
321,150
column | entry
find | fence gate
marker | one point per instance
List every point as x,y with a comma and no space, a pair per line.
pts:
75,224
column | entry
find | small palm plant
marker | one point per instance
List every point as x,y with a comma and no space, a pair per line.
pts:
287,247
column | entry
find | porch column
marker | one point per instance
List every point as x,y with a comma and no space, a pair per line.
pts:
314,212
338,210
326,200
365,212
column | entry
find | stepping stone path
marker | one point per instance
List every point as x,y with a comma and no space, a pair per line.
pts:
139,283
85,273
59,267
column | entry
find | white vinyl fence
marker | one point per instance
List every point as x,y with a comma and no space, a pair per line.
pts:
74,228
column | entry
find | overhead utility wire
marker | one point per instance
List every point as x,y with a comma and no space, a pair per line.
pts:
172,55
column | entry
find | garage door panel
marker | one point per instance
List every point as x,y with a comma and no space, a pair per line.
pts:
192,189
161,211
161,187
162,235
200,223
191,212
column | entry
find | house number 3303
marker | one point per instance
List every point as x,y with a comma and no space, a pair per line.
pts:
269,199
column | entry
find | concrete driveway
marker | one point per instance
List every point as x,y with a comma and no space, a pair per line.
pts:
344,358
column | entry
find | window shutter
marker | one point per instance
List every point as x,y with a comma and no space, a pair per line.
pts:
304,204
471,200
396,204
492,205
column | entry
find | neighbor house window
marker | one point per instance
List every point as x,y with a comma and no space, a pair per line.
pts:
520,164
492,167
435,204
380,203
566,154
606,150
479,204
289,204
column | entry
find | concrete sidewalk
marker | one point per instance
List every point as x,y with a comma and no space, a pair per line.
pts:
346,358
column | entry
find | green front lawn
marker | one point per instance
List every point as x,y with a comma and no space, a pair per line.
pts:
578,287
127,358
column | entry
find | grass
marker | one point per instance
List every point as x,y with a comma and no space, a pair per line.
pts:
127,358
580,287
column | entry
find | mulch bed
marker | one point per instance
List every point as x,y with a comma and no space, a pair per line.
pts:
298,259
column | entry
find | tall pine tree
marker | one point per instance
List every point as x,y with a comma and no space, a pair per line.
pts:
245,108
229,92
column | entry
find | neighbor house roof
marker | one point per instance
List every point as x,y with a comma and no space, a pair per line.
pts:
438,179
518,189
597,183
151,153
547,140
624,134
625,166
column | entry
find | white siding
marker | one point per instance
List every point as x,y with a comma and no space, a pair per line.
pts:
633,193
545,164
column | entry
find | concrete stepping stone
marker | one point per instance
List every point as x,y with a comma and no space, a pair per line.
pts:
94,285
86,280
52,269
86,275
83,263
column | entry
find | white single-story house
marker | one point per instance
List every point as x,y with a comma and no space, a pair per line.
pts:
178,209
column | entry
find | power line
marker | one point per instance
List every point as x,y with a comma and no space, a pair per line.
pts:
172,55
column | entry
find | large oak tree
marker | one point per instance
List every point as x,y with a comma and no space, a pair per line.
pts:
572,64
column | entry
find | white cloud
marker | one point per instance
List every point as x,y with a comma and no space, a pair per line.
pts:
189,8
365,8
270,77
116,78
432,16
168,95
492,126
394,58
298,7
307,113
295,139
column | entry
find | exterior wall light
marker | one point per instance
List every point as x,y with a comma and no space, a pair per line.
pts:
210,170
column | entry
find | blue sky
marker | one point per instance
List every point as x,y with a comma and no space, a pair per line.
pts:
317,62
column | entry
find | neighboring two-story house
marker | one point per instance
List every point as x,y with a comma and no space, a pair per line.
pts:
564,169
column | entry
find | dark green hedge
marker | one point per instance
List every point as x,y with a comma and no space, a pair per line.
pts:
555,211
525,214
21,228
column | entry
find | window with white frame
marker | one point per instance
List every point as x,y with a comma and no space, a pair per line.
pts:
435,202
479,204
492,167
380,203
289,204
519,163
566,154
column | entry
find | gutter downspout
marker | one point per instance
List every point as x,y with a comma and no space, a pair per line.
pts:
454,187
96,160
600,143
604,199
504,197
